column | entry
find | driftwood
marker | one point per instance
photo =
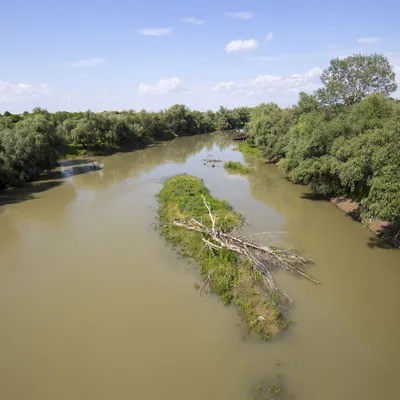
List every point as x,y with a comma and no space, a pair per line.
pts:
241,136
263,258
276,159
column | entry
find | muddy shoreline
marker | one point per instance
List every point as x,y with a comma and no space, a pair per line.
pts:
383,229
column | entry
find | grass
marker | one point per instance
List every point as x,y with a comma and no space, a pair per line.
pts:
236,167
77,151
229,276
245,148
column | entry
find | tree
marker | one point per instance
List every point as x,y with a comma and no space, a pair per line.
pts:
307,103
348,81
29,148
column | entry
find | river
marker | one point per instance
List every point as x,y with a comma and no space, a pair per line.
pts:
94,304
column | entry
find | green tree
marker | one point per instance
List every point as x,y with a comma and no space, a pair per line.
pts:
307,103
29,148
348,81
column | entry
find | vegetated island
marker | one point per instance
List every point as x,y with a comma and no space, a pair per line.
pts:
236,167
235,267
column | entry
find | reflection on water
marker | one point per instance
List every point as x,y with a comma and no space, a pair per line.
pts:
94,305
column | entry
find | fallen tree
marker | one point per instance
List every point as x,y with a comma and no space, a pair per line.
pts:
236,267
261,257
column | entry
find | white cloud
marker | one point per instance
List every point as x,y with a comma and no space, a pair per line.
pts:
155,31
194,21
273,87
293,83
266,80
87,63
163,87
241,45
394,58
373,39
269,36
225,87
314,73
16,92
240,15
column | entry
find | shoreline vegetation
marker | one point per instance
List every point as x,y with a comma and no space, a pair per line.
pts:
32,143
234,267
343,141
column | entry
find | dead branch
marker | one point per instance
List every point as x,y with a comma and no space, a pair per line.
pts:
262,257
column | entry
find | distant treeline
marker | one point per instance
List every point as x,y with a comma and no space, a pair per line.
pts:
342,140
31,143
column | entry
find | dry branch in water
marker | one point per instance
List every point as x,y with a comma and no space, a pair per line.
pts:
262,257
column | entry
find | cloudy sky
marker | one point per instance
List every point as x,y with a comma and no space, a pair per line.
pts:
121,54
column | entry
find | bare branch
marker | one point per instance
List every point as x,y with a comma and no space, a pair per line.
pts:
262,257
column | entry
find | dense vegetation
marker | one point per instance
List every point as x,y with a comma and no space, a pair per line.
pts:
343,140
33,142
236,167
229,276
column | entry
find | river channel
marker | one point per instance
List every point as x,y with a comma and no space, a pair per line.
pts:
95,306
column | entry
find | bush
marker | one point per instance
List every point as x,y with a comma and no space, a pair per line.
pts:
236,167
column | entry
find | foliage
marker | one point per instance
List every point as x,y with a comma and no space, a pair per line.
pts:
268,129
349,80
236,167
355,154
228,276
27,149
347,146
33,142
246,148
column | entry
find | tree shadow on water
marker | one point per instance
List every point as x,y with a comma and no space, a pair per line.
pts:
75,162
315,197
46,181
388,237
70,169
27,192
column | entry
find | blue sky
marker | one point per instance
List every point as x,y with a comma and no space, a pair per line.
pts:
114,55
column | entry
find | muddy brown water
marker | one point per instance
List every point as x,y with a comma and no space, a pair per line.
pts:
94,305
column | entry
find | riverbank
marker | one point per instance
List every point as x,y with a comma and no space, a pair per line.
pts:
383,229
79,152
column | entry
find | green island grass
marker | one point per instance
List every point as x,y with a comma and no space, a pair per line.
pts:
229,276
245,148
236,167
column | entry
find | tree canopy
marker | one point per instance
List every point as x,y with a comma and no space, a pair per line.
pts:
33,142
349,80
344,144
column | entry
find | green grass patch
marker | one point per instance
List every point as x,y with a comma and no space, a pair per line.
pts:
245,148
236,167
229,276
77,151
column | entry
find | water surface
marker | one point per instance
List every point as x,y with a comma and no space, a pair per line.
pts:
94,305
